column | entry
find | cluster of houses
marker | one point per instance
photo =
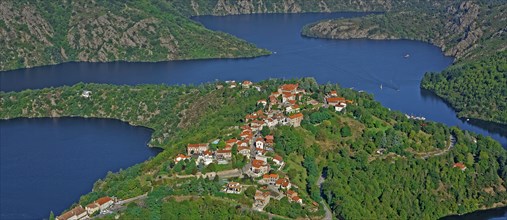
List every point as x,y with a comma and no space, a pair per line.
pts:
78,212
338,103
281,108
250,142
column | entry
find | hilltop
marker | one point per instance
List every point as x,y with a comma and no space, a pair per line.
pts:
368,161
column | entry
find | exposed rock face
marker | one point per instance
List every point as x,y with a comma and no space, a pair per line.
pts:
34,33
458,30
224,7
109,36
22,26
233,7
464,21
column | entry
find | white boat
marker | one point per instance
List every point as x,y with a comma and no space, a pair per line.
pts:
407,55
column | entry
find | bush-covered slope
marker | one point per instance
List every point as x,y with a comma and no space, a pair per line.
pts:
34,33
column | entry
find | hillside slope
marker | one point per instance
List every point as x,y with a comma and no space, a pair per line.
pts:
468,31
35,33
233,7
410,179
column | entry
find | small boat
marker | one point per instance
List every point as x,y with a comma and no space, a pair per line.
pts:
380,86
406,55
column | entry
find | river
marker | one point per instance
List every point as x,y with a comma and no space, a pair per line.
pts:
377,67
47,164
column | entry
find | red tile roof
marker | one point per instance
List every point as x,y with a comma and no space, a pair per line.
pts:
298,115
78,210
335,99
197,145
103,200
182,156
92,206
289,87
278,157
231,141
224,151
460,165
287,94
291,193
282,182
257,163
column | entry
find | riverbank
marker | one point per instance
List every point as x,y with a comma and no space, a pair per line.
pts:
472,42
493,213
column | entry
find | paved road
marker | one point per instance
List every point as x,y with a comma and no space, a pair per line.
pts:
452,141
329,214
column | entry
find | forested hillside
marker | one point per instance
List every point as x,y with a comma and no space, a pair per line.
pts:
35,33
378,164
476,89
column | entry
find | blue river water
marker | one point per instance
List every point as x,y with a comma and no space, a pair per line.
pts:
47,164
377,67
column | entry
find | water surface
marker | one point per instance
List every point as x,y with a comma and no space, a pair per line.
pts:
47,164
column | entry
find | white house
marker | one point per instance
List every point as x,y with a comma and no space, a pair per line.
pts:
278,160
339,107
86,94
233,187
197,148
92,208
259,143
104,202
76,213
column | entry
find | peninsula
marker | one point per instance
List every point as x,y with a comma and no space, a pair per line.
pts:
277,148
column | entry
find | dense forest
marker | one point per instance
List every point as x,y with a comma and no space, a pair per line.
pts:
469,31
376,163
476,89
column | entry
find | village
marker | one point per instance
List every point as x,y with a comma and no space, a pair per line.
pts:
263,165
99,206
281,108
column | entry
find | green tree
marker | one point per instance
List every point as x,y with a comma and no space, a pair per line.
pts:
265,131
345,131
250,191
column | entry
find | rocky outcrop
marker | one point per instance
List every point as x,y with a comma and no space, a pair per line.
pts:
458,30
22,26
34,33
234,7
